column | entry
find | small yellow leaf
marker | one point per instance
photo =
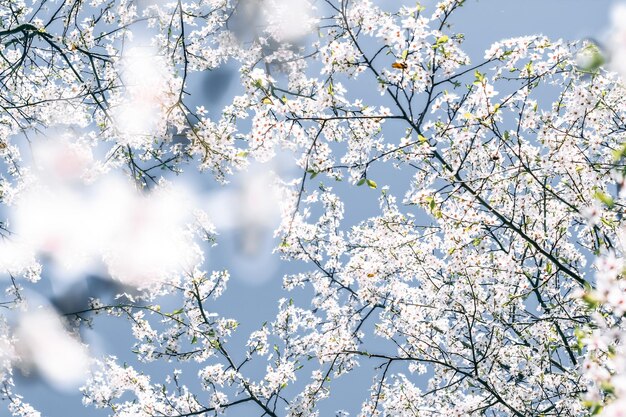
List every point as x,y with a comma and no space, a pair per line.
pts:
371,183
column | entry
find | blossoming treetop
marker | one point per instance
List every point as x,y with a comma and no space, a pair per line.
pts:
462,295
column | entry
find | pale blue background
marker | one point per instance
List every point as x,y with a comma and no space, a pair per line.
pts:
253,302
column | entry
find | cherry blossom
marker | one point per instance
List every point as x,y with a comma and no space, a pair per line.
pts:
484,279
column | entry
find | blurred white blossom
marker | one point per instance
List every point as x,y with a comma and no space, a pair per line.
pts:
43,343
147,94
142,239
288,20
617,39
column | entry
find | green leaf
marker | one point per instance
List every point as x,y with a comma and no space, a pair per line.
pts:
619,153
580,336
590,59
591,300
529,67
361,182
372,184
606,222
605,198
442,39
